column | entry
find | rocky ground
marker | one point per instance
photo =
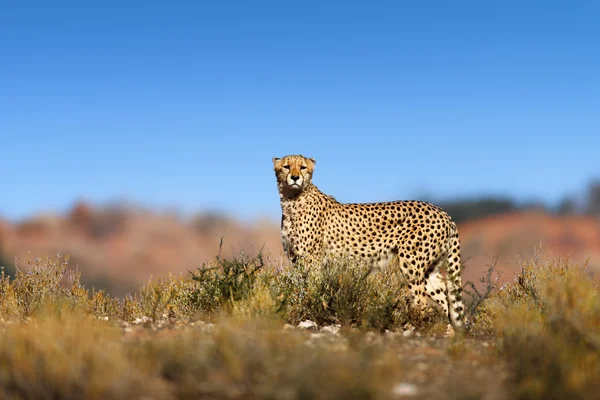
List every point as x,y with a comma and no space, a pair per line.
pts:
427,367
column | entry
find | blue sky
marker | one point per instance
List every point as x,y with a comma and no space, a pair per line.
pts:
183,104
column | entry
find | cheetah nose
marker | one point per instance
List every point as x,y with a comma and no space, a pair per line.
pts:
295,178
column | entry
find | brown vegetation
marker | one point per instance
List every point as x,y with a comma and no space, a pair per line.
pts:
225,333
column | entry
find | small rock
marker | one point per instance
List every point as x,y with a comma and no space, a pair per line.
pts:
331,329
404,389
308,325
407,333
141,320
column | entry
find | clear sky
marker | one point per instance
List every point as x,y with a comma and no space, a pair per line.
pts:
184,104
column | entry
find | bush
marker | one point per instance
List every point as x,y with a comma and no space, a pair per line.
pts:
224,283
337,293
348,293
30,290
49,281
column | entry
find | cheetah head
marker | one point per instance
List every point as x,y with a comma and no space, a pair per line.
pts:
294,173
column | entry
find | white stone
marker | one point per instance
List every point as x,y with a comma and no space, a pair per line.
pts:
308,325
405,389
332,329
141,320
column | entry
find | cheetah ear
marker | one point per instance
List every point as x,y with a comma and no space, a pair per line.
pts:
313,160
275,159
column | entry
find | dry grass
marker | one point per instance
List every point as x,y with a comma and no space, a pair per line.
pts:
548,329
219,334
66,354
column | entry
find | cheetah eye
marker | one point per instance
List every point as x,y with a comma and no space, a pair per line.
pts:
286,167
302,167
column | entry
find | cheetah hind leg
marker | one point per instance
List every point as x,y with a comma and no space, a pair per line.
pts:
436,289
418,302
454,284
416,286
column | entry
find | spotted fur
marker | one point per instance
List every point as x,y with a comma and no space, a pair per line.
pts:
420,237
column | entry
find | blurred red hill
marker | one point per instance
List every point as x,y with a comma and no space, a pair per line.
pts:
120,248
519,236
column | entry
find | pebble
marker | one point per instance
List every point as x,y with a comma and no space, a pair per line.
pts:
405,389
331,329
308,325
141,320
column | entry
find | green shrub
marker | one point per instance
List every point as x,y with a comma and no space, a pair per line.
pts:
224,282
342,292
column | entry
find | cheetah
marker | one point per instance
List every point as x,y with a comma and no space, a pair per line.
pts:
420,236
